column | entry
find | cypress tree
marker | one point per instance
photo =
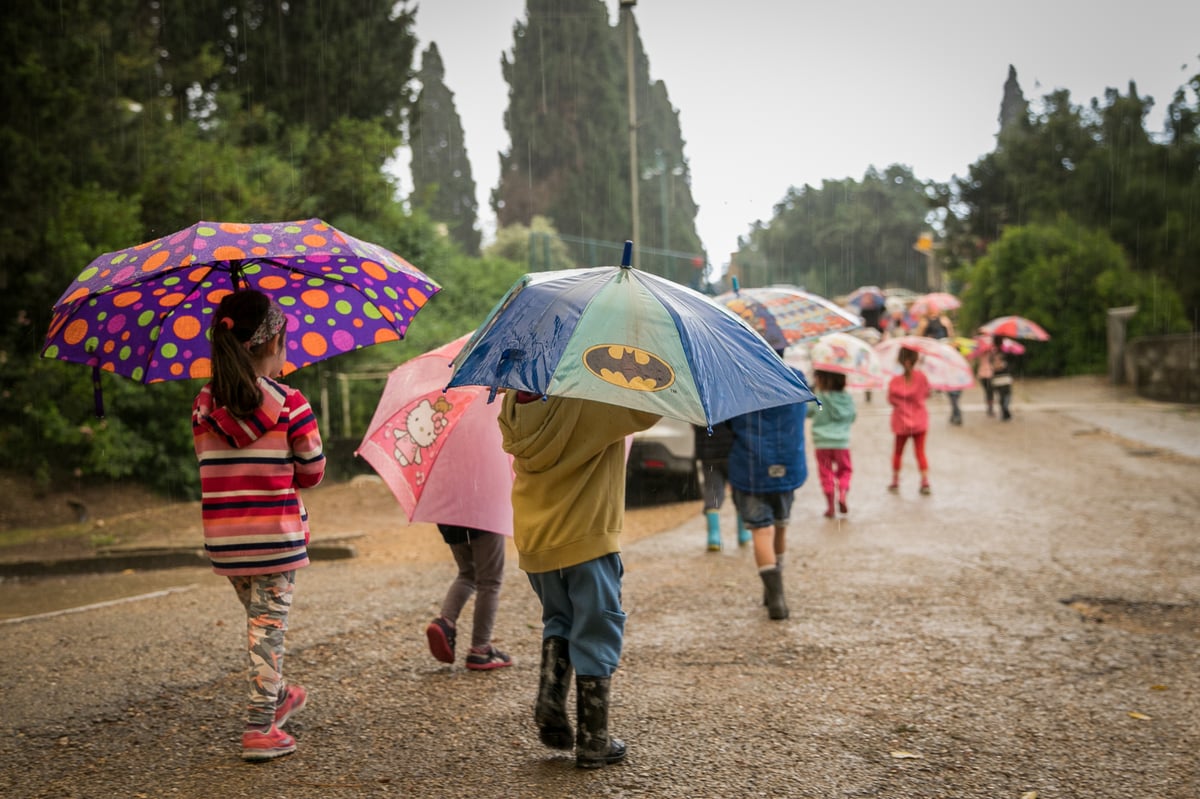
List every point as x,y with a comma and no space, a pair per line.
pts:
441,172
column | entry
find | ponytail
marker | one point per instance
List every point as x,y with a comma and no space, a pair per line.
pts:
244,321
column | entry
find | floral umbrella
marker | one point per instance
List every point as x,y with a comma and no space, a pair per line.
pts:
849,355
943,365
144,312
786,316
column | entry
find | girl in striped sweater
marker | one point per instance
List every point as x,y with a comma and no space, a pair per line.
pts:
257,443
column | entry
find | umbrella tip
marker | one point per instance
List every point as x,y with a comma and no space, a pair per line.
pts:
627,254
736,285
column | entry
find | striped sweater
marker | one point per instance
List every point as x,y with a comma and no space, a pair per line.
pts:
250,473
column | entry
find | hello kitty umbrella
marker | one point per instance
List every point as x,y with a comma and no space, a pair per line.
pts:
438,450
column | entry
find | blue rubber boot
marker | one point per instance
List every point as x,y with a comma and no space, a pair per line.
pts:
744,536
714,530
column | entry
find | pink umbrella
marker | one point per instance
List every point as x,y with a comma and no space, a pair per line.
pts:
943,365
439,451
938,302
1015,327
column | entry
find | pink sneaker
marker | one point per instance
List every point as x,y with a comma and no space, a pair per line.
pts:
274,742
441,639
490,658
290,703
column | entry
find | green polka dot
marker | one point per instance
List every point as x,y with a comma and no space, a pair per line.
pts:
145,318
155,333
261,238
286,300
169,350
125,352
92,344
171,281
89,273
206,231
137,373
309,319
52,351
371,312
343,307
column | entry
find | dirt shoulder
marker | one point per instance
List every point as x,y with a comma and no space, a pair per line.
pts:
82,521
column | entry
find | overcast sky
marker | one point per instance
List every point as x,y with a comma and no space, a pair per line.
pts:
779,93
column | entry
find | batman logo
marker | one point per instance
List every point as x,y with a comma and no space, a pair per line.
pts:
628,367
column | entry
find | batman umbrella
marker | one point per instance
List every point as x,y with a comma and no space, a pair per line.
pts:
625,337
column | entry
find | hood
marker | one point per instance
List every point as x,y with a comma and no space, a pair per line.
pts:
838,404
538,432
243,432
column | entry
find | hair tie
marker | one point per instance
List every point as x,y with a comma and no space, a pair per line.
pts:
227,322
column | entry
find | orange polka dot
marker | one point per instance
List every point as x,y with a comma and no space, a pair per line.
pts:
259,250
386,334
126,298
109,367
74,295
201,367
374,270
314,344
228,253
387,314
234,227
156,260
198,275
272,282
216,295
417,298
313,240
186,327
171,300
176,369
315,298
109,346
75,332
358,322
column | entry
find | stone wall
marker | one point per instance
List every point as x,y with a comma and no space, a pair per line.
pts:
1165,368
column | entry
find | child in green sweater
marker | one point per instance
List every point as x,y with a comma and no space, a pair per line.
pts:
831,437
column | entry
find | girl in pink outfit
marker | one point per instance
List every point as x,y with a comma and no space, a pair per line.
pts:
907,394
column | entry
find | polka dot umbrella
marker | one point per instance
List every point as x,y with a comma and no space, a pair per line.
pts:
144,312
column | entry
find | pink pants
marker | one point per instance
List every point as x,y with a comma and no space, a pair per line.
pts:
833,467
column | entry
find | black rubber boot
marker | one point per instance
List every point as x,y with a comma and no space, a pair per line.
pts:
773,585
550,712
593,745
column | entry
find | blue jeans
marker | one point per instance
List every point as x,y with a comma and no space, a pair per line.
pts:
582,604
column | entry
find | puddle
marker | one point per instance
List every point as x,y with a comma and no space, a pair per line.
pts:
1138,617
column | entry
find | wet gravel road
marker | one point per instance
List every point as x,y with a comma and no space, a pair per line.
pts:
1030,629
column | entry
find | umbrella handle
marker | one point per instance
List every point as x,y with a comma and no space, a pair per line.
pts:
96,394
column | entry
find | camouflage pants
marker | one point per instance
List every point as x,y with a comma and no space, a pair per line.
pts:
267,599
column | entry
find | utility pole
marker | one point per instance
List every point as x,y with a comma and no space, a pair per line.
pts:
627,13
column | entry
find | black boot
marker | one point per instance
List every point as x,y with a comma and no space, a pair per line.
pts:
593,745
773,585
550,712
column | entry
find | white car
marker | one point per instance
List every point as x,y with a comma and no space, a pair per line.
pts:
662,463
